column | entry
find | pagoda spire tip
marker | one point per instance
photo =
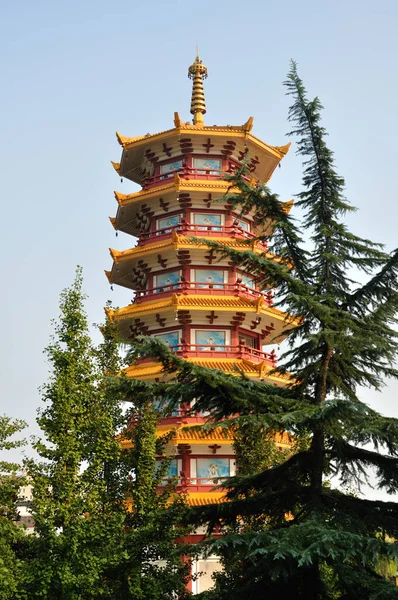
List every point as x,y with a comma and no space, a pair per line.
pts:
197,72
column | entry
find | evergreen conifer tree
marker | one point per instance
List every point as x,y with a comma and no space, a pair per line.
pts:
320,542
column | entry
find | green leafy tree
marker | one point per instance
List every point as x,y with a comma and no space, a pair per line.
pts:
157,563
102,528
11,534
320,542
76,499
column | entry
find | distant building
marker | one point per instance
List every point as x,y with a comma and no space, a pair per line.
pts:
25,497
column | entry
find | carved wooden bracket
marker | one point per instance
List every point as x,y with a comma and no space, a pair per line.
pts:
214,448
167,150
208,145
212,317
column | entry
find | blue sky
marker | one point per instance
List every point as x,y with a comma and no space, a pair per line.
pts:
73,73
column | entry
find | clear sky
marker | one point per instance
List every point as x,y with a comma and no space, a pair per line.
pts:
75,72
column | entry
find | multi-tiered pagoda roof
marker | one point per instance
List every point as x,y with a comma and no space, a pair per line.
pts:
206,309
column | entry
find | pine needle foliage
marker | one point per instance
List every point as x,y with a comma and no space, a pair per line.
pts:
320,542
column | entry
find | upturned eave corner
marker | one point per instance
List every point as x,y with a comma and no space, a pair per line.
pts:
283,149
177,120
119,197
109,312
125,141
288,205
120,138
248,126
115,254
116,166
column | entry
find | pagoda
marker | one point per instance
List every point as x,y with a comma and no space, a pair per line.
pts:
206,310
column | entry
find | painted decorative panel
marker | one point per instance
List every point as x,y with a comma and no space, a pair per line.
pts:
249,281
171,338
161,403
211,166
209,470
171,472
243,224
207,221
210,277
170,167
210,339
164,282
168,222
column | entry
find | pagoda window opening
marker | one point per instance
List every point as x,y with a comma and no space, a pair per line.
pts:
245,225
169,168
166,282
200,166
210,340
173,471
202,413
207,166
211,470
161,404
167,224
248,340
202,573
209,278
245,280
172,339
208,221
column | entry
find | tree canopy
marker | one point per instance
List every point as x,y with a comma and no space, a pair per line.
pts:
320,541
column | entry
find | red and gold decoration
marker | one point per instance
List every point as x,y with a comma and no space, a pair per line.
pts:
206,310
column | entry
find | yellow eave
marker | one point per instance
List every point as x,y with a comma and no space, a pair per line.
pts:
202,302
149,370
216,130
178,184
185,241
183,434
204,498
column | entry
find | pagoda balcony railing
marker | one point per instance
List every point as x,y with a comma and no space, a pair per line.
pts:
220,351
224,351
199,288
196,482
184,172
231,231
185,414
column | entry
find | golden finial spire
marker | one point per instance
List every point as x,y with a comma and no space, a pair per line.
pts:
198,72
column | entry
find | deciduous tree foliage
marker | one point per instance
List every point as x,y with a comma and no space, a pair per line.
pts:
99,523
157,567
78,522
11,534
320,542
